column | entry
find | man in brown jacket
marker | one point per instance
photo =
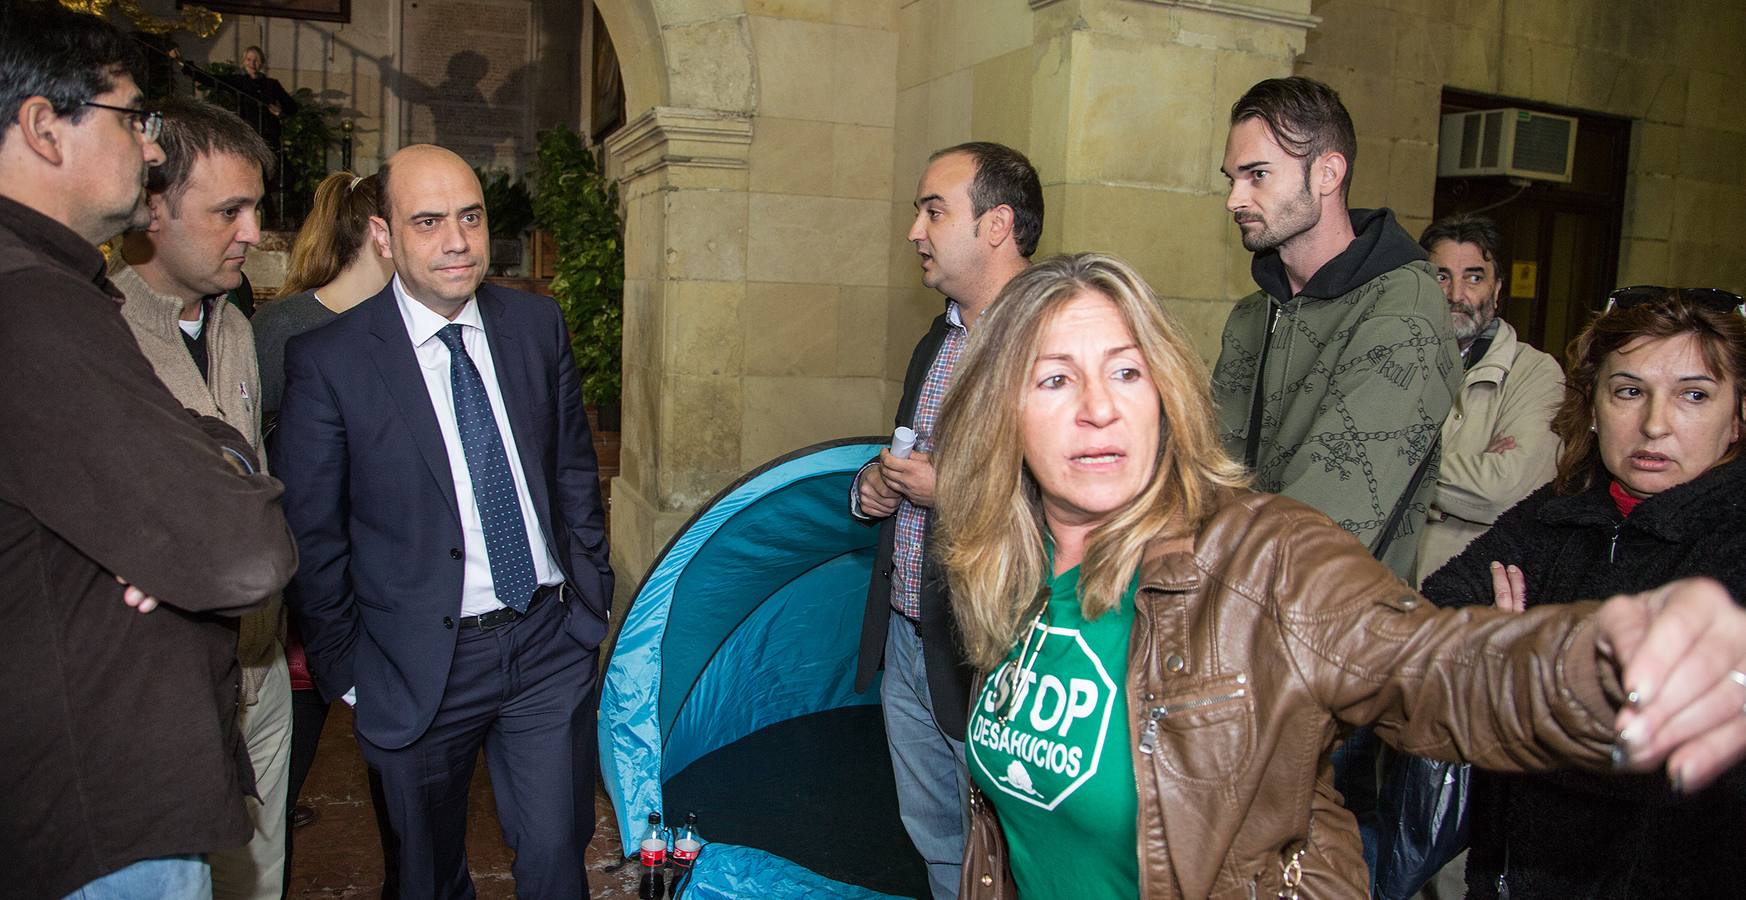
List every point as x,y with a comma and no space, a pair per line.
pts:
202,202
120,759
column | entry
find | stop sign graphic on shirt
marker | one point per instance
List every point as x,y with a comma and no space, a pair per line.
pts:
1053,740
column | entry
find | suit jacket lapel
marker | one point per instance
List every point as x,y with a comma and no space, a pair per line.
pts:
398,365
518,379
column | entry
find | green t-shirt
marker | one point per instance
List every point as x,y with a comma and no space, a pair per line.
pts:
1055,760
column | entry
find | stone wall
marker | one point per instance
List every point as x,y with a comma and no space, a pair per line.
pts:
756,191
1665,65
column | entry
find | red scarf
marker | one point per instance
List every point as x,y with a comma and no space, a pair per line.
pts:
1625,502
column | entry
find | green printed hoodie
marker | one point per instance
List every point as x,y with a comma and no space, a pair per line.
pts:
1359,372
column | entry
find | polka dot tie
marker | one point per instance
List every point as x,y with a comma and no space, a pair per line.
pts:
506,548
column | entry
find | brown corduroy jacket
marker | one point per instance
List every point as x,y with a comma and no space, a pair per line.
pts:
120,739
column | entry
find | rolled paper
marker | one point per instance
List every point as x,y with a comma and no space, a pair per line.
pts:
902,441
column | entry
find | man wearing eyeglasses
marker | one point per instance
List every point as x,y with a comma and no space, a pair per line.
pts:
121,762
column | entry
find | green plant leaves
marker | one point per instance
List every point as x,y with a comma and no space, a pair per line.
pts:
578,204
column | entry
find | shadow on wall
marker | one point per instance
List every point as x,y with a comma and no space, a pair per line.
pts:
489,129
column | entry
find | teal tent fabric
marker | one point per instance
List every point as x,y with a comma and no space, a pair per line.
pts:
726,872
750,617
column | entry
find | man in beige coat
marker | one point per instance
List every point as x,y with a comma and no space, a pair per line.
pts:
1498,444
203,222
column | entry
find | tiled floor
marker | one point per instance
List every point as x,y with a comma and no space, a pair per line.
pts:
339,855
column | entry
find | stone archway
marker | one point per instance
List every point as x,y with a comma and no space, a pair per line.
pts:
767,170
681,161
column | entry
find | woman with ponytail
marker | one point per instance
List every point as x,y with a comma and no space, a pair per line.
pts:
333,268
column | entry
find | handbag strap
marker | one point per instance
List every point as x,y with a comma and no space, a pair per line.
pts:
1379,546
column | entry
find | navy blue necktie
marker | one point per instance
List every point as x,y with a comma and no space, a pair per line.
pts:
506,548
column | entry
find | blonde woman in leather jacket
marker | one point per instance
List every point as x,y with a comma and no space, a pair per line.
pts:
1169,656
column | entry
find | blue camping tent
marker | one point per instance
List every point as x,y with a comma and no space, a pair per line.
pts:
731,686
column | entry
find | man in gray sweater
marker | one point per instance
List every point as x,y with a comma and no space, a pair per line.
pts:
202,202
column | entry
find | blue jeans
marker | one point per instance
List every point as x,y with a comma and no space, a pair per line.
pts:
164,878
1355,765
927,764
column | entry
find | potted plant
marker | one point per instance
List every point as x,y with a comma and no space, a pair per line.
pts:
578,204
509,214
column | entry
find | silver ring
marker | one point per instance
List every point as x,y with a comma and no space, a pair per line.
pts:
1738,677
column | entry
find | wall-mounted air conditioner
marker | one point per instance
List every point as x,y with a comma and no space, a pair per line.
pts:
1515,142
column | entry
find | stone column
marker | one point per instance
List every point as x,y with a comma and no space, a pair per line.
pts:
1130,101
682,173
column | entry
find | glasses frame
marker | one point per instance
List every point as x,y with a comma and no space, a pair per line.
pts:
1707,297
149,124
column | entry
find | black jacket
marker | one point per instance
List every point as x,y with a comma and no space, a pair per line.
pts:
948,674
1579,835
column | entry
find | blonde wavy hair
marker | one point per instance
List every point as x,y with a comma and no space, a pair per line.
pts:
989,525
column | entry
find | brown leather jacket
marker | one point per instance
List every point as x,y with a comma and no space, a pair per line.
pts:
1251,647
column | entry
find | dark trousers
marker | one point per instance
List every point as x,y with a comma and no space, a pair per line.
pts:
526,693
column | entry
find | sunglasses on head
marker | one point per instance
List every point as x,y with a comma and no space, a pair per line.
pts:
1709,298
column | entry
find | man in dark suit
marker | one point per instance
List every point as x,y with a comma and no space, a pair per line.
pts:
454,582
979,212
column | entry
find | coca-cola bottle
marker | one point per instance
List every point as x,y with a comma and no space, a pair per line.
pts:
687,843
652,850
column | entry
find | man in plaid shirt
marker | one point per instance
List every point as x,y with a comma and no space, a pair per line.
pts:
979,211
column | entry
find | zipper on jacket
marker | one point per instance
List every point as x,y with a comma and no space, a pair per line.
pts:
1613,548
1148,732
1149,735
1252,442
1176,709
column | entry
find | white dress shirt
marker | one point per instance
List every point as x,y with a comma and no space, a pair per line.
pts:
422,325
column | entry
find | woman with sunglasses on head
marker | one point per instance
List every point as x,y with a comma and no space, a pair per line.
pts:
1167,655
1649,489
